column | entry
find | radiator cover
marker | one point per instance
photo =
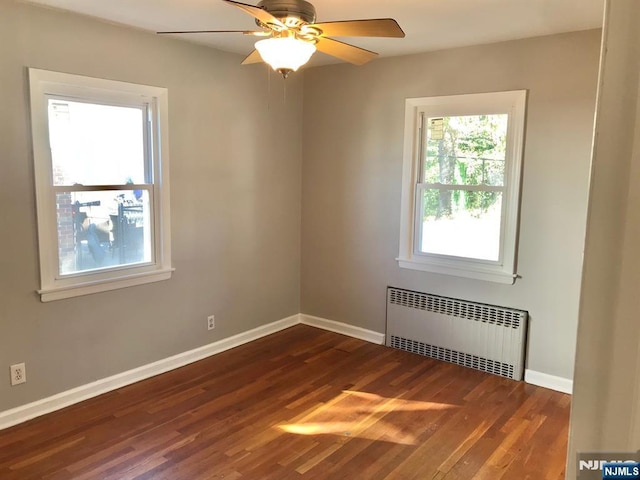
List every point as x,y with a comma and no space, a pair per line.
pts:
484,337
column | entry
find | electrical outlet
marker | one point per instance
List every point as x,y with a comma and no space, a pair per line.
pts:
211,322
18,374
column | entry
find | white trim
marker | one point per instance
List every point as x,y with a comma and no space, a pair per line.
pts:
470,272
343,328
87,288
559,384
35,409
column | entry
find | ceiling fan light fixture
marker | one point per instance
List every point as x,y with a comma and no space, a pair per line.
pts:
285,54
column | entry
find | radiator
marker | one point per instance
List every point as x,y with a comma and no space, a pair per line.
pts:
475,335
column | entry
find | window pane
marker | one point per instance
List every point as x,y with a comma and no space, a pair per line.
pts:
93,144
461,223
98,230
466,150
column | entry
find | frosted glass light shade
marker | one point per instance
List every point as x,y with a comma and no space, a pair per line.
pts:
285,53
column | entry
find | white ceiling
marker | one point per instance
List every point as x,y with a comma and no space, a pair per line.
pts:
428,24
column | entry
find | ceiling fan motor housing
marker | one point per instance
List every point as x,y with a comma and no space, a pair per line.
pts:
291,9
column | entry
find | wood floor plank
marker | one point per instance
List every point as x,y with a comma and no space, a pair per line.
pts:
301,404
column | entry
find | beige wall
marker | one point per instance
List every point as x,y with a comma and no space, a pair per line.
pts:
605,414
235,210
352,166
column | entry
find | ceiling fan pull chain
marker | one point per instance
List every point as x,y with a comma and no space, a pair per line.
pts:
268,87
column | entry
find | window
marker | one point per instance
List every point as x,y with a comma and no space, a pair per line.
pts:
461,184
102,183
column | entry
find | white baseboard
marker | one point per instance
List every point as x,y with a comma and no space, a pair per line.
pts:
26,412
545,380
343,328
61,400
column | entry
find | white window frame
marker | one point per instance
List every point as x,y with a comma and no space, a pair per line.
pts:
46,84
512,103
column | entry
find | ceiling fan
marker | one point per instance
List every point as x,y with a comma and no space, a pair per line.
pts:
291,35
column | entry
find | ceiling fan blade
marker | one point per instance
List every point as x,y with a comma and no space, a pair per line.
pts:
259,13
257,33
253,57
381,27
344,51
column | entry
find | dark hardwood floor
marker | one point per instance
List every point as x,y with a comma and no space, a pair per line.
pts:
303,403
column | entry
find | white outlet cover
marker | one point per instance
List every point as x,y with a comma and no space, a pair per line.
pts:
18,374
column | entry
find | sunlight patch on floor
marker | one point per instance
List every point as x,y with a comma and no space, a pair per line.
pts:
362,415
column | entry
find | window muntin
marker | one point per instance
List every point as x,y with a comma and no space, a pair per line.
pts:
461,184
101,167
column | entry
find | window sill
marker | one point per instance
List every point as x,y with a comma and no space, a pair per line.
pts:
87,288
477,273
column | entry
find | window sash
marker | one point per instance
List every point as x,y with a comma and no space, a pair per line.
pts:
153,232
419,224
421,186
147,106
147,129
423,116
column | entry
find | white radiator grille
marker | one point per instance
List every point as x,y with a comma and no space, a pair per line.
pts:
456,308
446,355
475,335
